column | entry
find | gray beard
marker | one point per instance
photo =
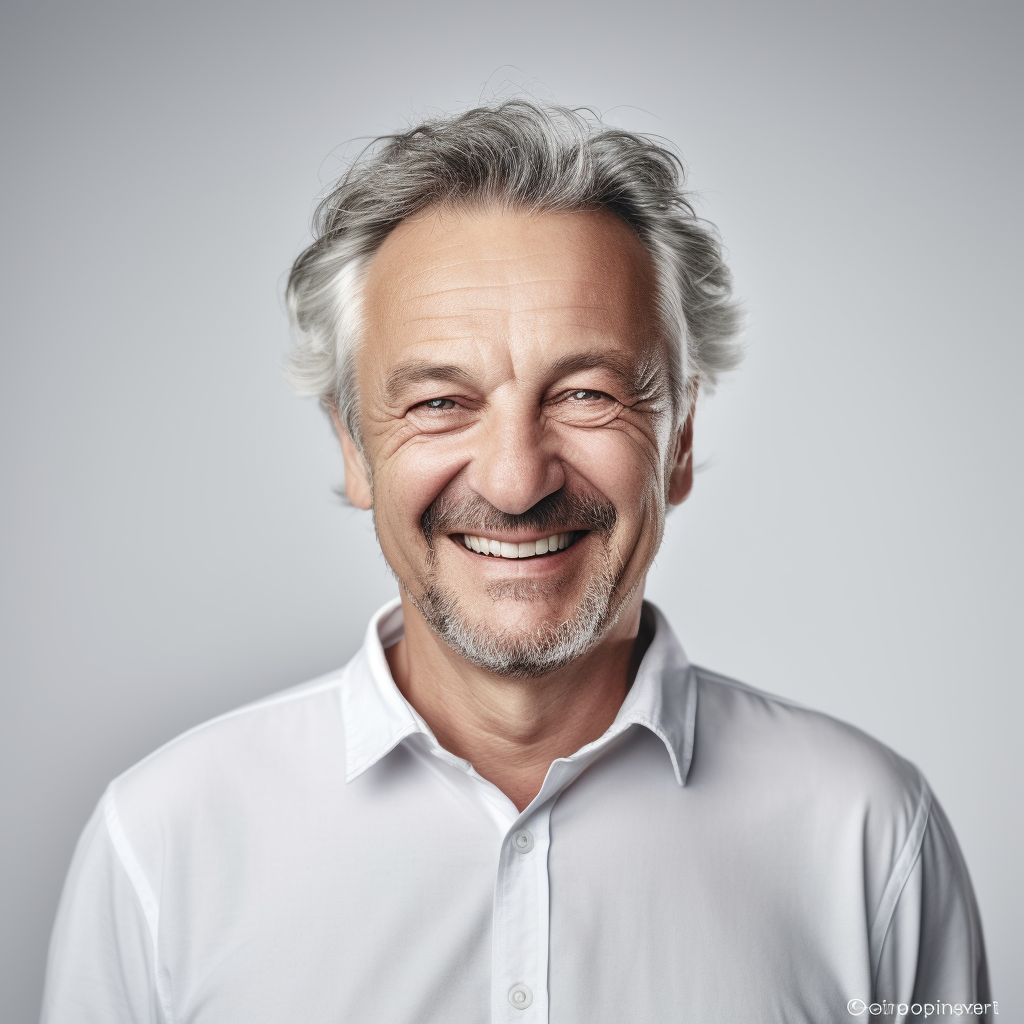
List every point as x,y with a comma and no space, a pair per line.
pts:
521,654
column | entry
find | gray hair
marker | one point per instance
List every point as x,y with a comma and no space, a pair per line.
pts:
525,155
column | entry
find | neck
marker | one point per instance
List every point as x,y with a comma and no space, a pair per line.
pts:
511,730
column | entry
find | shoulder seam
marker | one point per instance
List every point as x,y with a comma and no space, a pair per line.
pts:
141,887
948,839
901,872
715,677
332,679
706,675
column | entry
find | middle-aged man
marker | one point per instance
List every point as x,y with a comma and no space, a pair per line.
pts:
519,801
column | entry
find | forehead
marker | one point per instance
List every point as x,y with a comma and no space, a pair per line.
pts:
489,276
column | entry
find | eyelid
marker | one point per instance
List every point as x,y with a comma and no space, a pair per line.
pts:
460,403
424,402
569,392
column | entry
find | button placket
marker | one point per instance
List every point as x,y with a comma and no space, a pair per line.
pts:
521,924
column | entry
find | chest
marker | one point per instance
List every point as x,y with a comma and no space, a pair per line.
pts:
628,898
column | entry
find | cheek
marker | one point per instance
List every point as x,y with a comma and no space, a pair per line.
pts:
408,481
622,466
625,468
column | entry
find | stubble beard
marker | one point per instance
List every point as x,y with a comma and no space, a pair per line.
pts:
521,653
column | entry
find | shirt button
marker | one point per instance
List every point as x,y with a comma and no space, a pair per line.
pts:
520,996
523,842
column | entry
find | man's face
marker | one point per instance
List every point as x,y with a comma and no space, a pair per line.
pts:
514,401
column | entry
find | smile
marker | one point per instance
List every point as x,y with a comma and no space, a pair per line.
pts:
525,549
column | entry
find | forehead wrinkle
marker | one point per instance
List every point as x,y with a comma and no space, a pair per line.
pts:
503,323
502,302
486,291
506,286
505,313
481,258
441,268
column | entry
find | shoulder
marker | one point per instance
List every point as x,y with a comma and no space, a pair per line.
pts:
804,756
232,760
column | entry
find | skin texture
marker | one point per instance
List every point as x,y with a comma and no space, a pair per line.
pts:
508,356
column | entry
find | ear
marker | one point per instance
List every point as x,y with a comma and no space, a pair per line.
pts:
357,473
680,473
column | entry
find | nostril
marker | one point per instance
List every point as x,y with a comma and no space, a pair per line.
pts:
514,477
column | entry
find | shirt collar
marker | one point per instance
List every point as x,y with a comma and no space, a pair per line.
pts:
663,698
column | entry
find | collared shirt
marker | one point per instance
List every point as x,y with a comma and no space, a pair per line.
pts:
718,854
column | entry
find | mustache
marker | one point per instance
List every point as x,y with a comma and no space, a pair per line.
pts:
560,511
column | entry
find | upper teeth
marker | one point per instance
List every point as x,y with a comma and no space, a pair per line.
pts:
527,549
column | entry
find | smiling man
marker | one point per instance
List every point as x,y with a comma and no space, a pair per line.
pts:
519,801
518,443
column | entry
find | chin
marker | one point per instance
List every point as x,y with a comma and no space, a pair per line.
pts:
523,633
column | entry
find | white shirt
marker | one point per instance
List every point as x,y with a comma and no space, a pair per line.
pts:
718,854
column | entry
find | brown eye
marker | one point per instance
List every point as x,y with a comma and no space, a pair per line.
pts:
587,396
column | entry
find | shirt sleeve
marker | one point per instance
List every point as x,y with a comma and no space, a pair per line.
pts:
102,951
933,949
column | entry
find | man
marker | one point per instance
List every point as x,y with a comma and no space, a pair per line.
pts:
519,801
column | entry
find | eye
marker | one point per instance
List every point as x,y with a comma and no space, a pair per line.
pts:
437,404
439,415
584,407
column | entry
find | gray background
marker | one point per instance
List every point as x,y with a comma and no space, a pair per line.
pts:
171,546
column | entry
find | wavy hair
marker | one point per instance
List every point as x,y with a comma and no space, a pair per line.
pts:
529,156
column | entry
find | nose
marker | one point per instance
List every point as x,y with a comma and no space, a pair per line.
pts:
514,465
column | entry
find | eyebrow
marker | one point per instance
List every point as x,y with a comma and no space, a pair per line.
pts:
416,372
637,375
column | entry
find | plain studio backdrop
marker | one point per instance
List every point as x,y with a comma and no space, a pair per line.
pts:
172,546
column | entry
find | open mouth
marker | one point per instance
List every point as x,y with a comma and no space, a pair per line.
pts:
525,549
